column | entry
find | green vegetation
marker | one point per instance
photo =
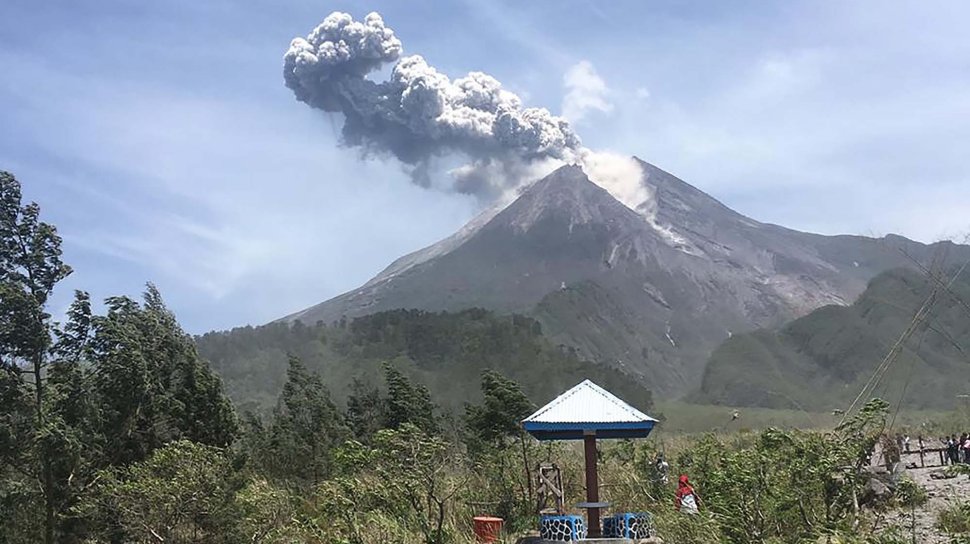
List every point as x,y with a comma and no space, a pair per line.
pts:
821,361
114,430
955,519
183,492
446,352
83,397
909,494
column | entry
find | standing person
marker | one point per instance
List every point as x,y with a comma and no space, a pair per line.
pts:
966,449
686,500
661,467
906,442
919,443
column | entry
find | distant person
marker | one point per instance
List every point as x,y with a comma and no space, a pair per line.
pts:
966,450
920,444
661,467
906,443
686,500
948,444
899,442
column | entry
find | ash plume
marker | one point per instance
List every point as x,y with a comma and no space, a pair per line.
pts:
419,113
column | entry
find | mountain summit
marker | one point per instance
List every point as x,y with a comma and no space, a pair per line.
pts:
651,291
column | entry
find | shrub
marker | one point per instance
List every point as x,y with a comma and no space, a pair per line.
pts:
909,494
955,519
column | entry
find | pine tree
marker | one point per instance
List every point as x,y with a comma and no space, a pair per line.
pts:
306,428
366,410
93,392
73,440
409,403
152,386
490,429
30,267
503,408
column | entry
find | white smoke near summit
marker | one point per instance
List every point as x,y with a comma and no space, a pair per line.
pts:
622,177
419,113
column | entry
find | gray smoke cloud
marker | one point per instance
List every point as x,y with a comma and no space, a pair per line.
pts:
419,113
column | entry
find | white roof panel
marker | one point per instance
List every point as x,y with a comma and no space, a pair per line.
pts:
587,403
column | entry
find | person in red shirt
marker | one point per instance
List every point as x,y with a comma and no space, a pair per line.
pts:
686,499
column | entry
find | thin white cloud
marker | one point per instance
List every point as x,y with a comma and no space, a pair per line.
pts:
585,92
240,212
835,122
194,174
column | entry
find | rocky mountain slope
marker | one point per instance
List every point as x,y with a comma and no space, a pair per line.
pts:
651,291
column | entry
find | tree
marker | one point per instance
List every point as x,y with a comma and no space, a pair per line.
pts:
30,267
499,416
94,391
72,438
366,410
490,429
306,428
423,471
151,384
408,403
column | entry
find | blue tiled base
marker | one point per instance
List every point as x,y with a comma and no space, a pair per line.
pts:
562,528
628,525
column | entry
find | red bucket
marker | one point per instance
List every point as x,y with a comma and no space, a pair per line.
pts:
487,529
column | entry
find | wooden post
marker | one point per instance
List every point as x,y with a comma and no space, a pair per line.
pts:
592,484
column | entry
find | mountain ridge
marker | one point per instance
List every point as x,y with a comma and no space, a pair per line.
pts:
651,291
822,360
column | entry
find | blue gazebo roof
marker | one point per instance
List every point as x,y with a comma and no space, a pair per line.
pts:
584,410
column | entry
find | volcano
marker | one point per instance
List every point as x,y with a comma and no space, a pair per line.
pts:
652,290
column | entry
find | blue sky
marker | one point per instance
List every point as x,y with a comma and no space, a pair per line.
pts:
159,138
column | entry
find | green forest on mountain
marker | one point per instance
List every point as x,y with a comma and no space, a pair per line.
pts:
820,362
114,429
446,351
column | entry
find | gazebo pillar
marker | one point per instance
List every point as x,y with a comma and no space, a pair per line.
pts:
592,482
587,412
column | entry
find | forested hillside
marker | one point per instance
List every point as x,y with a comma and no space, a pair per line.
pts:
822,361
114,430
446,351
83,398
651,291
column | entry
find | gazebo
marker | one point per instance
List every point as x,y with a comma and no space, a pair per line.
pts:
587,412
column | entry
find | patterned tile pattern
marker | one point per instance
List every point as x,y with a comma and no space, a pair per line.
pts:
629,525
562,528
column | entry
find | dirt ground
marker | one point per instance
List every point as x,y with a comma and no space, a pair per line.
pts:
941,494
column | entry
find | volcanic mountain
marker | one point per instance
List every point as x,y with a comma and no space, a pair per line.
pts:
651,291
